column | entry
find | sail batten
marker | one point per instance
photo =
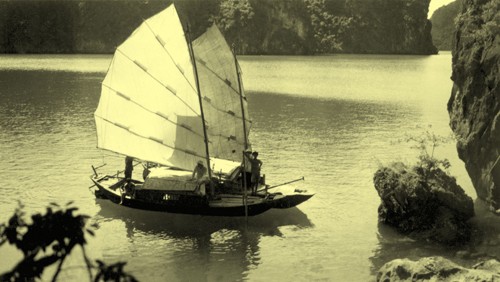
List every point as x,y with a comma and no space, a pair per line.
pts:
157,112
162,43
160,40
168,87
171,89
152,138
223,111
151,107
148,93
218,80
143,67
122,95
226,80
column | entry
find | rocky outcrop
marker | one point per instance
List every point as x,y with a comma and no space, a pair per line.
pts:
437,269
443,25
429,206
474,105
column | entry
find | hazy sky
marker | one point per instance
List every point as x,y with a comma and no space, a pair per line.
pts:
437,4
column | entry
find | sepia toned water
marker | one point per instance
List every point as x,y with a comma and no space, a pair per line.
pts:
332,119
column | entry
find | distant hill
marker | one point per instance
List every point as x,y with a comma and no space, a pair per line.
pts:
254,26
443,25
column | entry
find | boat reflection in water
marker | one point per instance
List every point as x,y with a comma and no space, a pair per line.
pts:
189,246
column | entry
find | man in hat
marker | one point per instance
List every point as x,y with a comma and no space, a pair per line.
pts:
199,172
201,178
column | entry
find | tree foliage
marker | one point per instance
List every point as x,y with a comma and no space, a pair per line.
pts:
483,23
48,26
330,30
255,26
234,19
234,15
47,239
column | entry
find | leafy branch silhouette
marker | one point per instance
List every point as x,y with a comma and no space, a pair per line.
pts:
48,239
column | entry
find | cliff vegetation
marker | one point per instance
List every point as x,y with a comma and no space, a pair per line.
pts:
443,25
474,105
254,26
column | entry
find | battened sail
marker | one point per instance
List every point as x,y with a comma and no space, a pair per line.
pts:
149,106
220,89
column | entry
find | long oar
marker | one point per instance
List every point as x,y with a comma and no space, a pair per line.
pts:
292,181
118,172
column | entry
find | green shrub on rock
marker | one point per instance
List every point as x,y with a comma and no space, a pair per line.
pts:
423,200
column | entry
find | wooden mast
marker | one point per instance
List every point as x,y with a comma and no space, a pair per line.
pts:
191,52
241,101
244,186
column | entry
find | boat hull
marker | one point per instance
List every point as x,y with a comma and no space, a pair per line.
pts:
226,205
289,201
287,196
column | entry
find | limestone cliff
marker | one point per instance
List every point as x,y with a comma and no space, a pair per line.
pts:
265,26
474,106
443,25
289,27
389,26
334,26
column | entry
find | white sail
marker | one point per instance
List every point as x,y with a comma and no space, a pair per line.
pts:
149,106
220,89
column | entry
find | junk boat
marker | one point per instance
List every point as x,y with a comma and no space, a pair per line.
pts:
170,103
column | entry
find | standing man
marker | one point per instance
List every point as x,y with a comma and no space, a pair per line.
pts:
127,188
129,167
256,164
247,169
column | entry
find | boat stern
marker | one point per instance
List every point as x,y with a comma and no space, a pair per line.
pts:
288,196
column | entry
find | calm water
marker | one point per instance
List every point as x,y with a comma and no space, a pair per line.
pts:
332,119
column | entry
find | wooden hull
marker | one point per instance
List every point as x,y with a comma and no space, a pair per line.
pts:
226,205
289,201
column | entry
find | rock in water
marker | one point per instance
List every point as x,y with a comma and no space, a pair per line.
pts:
431,206
437,269
474,105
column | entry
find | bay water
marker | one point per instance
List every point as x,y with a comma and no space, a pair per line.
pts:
332,119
